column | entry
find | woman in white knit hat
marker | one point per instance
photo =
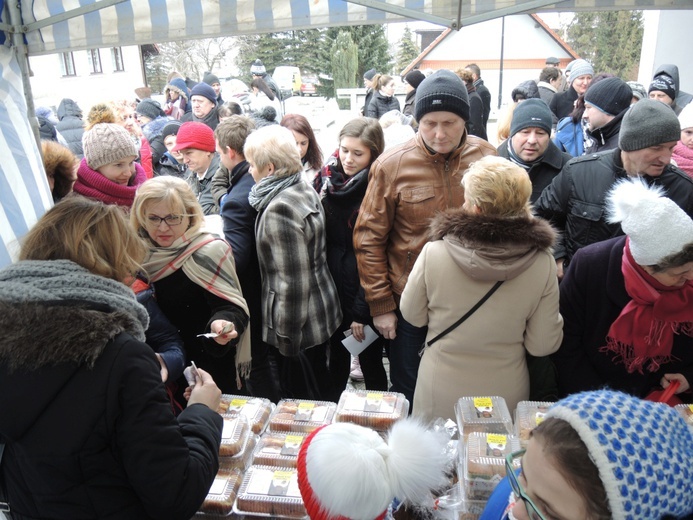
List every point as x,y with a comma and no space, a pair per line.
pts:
683,151
628,302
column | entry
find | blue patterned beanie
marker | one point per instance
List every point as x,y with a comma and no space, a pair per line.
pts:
643,451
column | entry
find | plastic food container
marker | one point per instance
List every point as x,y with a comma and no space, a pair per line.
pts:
529,415
234,435
483,414
376,410
295,415
256,409
687,411
222,494
270,492
484,462
244,458
278,449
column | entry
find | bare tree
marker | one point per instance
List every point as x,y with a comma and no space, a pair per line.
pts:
193,57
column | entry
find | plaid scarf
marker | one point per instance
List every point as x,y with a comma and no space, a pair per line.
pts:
208,262
643,334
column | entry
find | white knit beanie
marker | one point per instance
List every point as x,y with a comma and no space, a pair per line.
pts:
580,68
106,143
656,226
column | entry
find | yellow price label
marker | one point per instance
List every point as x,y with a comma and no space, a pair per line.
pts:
483,402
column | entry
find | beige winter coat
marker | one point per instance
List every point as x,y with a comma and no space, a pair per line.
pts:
486,354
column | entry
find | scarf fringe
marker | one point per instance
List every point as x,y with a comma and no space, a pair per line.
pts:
625,354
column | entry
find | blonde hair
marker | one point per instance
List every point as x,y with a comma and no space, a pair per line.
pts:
169,190
274,145
504,123
91,234
498,187
466,76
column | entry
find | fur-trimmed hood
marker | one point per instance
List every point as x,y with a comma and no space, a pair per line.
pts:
492,248
155,127
178,85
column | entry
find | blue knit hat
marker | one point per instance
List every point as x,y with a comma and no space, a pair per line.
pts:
643,451
204,90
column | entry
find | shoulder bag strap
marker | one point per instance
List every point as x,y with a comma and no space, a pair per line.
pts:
469,313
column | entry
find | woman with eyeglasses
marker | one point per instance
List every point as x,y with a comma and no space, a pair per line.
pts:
194,280
600,455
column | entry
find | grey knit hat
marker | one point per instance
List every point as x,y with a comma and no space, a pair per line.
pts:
580,68
210,78
106,143
442,91
648,123
370,74
611,95
531,113
638,89
149,108
257,68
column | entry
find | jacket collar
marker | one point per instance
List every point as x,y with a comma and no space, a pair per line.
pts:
435,156
607,131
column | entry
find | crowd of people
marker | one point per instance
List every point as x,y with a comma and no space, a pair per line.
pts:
217,232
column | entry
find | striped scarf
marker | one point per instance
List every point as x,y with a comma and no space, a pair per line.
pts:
208,262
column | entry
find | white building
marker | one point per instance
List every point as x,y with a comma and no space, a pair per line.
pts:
87,76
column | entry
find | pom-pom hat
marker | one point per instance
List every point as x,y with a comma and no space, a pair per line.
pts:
195,135
643,451
346,471
107,143
257,68
656,226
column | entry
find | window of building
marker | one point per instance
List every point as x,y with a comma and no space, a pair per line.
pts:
94,61
67,64
117,57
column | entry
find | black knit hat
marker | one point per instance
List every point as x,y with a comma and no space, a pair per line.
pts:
414,78
210,79
532,113
149,108
648,123
663,84
442,91
611,95
171,128
370,74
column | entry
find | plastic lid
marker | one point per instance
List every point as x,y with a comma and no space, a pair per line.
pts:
234,435
484,462
297,415
488,414
256,409
687,411
271,492
222,494
376,410
278,449
529,415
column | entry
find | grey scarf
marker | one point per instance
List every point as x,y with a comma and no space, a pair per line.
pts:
50,280
264,191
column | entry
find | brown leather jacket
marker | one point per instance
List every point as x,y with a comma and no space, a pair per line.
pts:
406,187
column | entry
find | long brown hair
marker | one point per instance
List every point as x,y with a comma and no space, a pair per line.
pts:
300,124
95,235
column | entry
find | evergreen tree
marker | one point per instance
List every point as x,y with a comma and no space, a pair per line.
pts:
407,51
344,64
373,48
610,40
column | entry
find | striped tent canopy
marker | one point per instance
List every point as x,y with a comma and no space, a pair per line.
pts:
50,26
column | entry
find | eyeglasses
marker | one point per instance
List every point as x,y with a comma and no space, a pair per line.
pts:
155,221
532,510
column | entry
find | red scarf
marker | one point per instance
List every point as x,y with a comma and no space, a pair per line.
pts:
94,185
643,334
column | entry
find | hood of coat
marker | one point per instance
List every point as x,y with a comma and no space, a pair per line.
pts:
155,127
492,248
68,107
45,344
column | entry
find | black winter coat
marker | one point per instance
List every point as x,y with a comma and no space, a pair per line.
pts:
562,104
485,96
575,201
409,101
542,173
592,296
606,137
475,125
85,442
169,166
380,105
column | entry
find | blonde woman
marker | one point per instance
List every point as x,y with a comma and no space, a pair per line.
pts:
492,238
88,429
300,305
194,279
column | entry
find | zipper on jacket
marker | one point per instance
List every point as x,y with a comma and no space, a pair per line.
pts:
446,174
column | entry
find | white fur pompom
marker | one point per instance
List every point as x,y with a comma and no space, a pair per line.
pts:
627,195
417,460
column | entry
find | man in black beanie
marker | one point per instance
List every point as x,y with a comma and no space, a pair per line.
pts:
213,81
575,199
407,186
530,145
606,102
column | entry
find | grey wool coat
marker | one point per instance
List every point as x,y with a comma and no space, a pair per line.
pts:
300,305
